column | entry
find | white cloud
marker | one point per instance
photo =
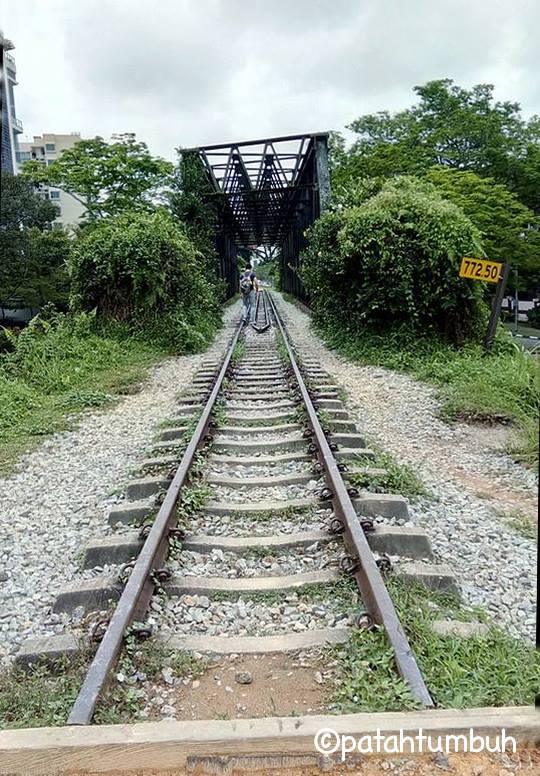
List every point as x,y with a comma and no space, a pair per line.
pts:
187,72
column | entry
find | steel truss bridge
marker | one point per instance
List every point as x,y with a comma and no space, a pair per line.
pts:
267,192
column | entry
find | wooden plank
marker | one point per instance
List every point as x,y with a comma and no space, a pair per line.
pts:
169,744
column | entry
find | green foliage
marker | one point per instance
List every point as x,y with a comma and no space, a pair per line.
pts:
393,260
490,670
524,170
267,270
190,201
502,387
41,697
21,207
449,126
510,231
239,352
533,316
398,478
142,269
368,679
32,270
58,365
39,276
524,524
107,178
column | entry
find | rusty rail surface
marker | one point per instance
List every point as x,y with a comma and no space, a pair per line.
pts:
137,593
370,582
255,324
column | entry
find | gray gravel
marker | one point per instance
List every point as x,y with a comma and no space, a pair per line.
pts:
495,565
273,469
279,493
228,564
244,617
57,498
215,525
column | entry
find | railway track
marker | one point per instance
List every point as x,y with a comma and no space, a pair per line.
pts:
259,500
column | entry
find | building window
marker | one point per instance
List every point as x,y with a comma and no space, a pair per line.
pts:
50,161
50,147
55,194
23,156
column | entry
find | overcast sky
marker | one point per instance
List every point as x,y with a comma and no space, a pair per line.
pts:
191,72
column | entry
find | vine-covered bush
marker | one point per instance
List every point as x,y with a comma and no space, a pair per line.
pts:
142,269
389,258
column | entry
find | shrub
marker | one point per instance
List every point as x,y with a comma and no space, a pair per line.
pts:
391,259
142,269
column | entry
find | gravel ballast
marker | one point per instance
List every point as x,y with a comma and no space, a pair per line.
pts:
472,482
57,498
243,617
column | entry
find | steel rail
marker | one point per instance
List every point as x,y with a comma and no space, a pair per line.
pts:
266,325
369,578
138,591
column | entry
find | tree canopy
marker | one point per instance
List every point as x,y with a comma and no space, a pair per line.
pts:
33,260
107,178
463,129
509,229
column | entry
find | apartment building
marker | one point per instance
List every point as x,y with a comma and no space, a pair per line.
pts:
46,148
11,125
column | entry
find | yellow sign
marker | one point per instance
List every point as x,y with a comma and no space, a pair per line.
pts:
480,269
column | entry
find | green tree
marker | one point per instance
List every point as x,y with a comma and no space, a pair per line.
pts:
391,261
509,229
464,129
43,274
193,201
525,171
107,178
33,261
20,205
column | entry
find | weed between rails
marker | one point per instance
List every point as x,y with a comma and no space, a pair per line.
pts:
398,478
141,662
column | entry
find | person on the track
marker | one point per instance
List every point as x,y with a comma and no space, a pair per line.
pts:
249,286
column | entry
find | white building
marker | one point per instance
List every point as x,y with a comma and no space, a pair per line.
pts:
46,148
11,125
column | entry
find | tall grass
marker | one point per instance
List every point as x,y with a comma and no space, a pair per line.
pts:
58,366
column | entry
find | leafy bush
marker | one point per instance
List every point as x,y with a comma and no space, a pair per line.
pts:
391,260
142,269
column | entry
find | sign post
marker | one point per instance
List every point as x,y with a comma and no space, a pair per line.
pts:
489,272
496,307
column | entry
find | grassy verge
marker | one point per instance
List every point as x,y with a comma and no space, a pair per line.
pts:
44,695
489,670
502,387
56,369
